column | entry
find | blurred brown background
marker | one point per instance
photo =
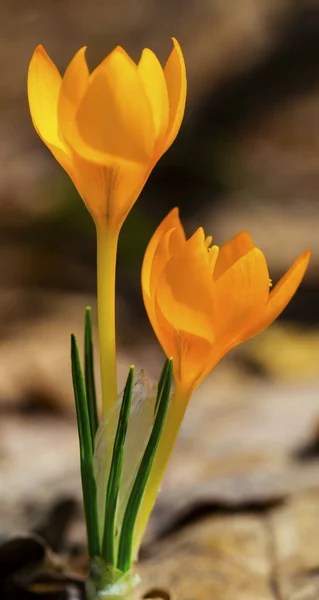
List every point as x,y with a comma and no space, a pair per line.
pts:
247,157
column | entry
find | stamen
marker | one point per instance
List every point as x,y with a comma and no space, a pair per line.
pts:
212,256
208,241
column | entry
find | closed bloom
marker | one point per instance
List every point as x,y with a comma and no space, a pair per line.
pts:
108,128
203,300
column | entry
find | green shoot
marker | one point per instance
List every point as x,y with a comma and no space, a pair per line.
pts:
89,375
113,485
86,453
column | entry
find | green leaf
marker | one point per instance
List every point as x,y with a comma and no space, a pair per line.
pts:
86,454
89,375
161,384
126,539
113,486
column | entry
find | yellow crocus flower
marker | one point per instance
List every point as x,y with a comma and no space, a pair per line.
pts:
108,129
203,301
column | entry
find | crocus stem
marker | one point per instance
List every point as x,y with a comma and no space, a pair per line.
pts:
177,406
107,241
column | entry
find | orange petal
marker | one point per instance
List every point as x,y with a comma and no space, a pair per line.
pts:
153,80
161,258
188,350
108,191
114,120
175,75
170,222
184,290
73,88
240,295
44,83
170,243
117,49
157,257
281,294
237,247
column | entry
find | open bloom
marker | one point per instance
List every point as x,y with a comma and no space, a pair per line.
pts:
108,128
202,301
